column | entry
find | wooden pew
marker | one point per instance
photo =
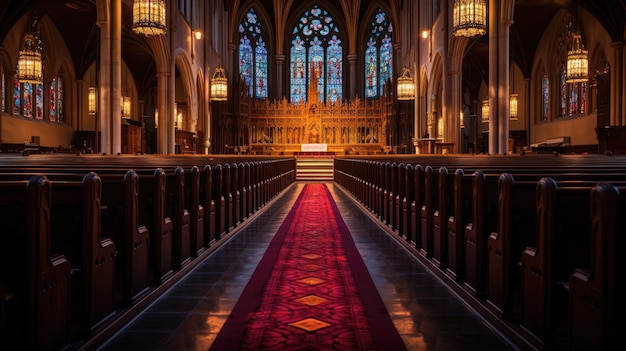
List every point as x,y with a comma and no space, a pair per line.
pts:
235,190
562,237
399,199
76,233
208,203
416,206
196,211
152,198
220,201
228,197
516,223
426,213
120,222
596,293
175,209
408,199
35,285
441,215
483,223
459,218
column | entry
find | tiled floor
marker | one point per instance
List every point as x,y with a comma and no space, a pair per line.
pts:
427,314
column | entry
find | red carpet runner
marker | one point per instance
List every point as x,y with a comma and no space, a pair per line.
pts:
311,290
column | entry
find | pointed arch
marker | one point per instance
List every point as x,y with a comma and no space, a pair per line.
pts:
378,42
253,51
316,55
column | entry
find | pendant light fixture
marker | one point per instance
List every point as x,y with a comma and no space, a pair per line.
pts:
577,61
219,86
406,86
149,17
469,18
29,66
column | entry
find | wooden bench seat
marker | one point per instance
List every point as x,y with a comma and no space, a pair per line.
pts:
35,281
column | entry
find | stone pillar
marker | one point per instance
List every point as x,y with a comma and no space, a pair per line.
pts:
500,19
116,76
164,114
452,132
618,117
104,87
279,59
352,63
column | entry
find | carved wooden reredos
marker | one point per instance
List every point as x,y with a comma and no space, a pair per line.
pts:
281,127
345,127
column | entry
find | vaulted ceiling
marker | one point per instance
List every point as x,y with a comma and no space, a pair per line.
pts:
76,21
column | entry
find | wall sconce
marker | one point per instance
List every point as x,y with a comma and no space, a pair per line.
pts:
29,67
92,99
485,111
513,107
197,34
126,107
406,86
219,86
149,17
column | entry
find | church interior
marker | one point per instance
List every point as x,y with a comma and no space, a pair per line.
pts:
483,138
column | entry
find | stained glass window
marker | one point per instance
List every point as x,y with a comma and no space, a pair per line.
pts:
27,99
53,101
378,55
573,97
316,57
38,101
60,95
17,96
253,55
545,97
4,103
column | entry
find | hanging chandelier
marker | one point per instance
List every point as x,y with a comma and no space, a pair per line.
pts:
577,61
469,18
91,100
29,67
219,86
406,86
149,17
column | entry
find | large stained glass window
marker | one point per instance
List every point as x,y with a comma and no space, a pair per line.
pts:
378,55
316,57
253,55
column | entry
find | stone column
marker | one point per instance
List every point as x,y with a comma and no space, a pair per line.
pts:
279,60
104,87
115,123
352,64
618,118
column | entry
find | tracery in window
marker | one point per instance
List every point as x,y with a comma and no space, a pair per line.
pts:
378,55
253,55
316,56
